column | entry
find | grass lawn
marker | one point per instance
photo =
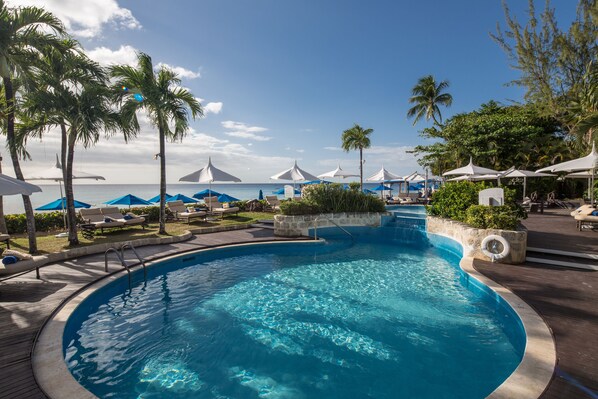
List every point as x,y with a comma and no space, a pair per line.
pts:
47,243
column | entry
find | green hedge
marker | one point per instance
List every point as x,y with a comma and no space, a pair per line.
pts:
459,201
329,198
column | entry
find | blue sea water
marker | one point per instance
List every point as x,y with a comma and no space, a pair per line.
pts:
363,320
97,194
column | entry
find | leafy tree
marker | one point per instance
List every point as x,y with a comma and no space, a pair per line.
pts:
357,138
555,64
497,137
23,33
427,96
163,99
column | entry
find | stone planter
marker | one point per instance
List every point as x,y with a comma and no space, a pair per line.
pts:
471,238
296,226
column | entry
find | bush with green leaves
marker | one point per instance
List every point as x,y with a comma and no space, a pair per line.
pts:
49,221
292,208
454,201
492,217
332,198
153,212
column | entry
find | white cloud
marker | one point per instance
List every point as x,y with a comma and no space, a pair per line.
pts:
125,55
241,130
300,151
333,148
213,108
182,72
86,18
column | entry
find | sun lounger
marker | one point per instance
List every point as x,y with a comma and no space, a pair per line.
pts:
583,216
95,217
181,212
218,208
273,202
113,213
23,266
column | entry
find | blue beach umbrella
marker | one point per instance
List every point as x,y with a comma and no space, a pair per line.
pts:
281,192
60,204
368,191
382,187
260,196
184,198
226,198
157,198
206,193
128,200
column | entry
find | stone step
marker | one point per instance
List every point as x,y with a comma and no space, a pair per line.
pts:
562,258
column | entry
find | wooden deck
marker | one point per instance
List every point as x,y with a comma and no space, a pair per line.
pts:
566,298
26,303
555,229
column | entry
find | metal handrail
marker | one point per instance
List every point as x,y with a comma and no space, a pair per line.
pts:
122,262
129,245
316,220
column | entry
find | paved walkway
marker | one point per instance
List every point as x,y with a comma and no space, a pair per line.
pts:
26,303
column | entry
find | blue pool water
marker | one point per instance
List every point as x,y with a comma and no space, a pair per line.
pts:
368,319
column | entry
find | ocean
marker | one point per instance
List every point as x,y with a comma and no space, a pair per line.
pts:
97,194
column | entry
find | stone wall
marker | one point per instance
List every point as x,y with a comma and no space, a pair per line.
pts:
295,226
471,238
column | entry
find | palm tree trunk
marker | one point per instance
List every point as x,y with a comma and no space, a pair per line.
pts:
63,147
71,217
10,139
3,229
162,229
361,169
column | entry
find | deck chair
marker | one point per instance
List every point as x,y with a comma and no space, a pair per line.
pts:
114,213
94,216
216,207
180,211
273,202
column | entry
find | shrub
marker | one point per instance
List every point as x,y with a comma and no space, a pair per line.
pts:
492,217
153,212
298,208
328,198
50,221
459,201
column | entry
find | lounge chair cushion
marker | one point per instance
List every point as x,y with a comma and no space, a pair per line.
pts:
23,265
9,260
112,212
17,254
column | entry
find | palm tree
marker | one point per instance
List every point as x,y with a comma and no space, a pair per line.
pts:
166,103
357,138
23,34
427,96
70,91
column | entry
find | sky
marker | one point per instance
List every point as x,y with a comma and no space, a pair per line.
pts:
280,80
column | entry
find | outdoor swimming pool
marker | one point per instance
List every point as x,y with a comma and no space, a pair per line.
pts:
373,318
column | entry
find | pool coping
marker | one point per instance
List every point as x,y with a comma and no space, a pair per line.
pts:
529,380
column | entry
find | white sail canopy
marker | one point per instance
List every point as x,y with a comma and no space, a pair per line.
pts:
54,173
471,169
294,174
11,186
383,175
338,172
209,174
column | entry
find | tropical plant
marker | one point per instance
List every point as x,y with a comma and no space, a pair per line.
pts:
70,92
23,33
427,95
497,137
554,65
331,198
166,103
357,138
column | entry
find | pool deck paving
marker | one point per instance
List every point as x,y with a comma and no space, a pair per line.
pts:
566,298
